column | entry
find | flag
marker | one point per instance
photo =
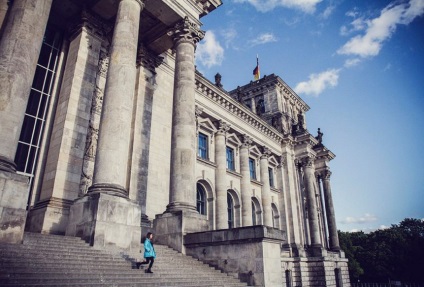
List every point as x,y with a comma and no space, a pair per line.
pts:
256,72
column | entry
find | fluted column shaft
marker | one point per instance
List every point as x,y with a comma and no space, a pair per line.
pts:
220,177
182,194
329,208
246,196
111,169
19,50
311,202
266,190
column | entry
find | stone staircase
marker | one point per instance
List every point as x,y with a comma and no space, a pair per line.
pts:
54,260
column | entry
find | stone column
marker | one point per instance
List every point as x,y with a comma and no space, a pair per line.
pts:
308,168
19,50
266,188
4,6
329,208
111,169
106,207
246,190
220,176
183,153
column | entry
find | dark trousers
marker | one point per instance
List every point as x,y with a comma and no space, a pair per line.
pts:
150,261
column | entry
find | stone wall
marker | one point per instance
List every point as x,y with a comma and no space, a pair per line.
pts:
250,253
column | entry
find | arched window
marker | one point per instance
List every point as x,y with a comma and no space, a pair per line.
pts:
253,214
201,199
230,208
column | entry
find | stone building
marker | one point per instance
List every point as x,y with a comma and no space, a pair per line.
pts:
108,132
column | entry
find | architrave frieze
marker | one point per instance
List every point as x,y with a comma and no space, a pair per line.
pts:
148,59
223,99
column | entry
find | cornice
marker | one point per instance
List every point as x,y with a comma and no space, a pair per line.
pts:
324,153
223,99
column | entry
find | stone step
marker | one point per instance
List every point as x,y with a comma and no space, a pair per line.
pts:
147,279
132,284
53,260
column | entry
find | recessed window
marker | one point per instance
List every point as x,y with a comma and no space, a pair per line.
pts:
271,176
38,102
202,146
230,159
252,167
201,199
230,210
253,213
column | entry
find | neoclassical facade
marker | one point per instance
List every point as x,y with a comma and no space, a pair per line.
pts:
108,132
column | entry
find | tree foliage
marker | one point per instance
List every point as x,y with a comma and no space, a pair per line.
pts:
396,253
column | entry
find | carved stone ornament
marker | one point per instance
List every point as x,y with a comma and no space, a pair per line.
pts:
91,146
148,59
326,174
282,161
91,22
307,162
266,152
103,64
186,32
246,141
223,128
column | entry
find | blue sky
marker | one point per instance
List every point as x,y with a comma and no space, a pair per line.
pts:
359,65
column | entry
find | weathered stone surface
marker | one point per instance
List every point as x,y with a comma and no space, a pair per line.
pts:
14,191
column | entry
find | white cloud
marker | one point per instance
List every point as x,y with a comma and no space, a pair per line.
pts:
317,83
352,62
263,39
229,35
209,52
307,6
327,12
366,218
381,28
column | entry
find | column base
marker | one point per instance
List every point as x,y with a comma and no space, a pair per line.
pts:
108,188
14,192
106,222
170,228
178,206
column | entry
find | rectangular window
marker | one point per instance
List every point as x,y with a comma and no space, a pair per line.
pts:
252,168
271,177
38,103
203,146
230,159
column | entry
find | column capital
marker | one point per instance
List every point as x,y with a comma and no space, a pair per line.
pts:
186,31
140,2
223,128
198,111
246,141
282,161
306,162
266,152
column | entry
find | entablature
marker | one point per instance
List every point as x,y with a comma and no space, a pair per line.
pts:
217,95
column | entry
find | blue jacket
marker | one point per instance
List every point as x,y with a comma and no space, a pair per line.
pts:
149,250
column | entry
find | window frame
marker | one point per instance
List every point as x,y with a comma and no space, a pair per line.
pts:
203,149
231,165
252,168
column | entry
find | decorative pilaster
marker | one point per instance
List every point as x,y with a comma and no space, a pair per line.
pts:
266,188
20,47
220,176
307,164
329,208
246,190
111,169
183,139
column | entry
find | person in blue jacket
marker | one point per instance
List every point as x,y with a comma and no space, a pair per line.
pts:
149,252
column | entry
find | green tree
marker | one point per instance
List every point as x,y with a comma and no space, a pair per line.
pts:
396,253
